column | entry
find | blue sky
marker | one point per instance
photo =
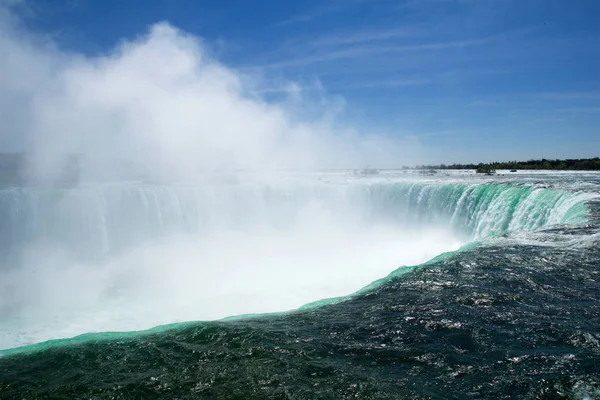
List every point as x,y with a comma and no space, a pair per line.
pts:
471,80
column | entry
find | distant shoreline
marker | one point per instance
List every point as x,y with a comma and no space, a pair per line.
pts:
577,164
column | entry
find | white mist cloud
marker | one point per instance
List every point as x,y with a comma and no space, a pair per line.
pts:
161,102
186,279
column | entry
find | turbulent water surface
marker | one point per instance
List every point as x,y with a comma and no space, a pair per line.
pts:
403,286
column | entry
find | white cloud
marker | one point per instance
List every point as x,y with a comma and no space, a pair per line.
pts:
160,101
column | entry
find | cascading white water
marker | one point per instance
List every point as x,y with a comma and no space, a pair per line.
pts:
128,256
98,220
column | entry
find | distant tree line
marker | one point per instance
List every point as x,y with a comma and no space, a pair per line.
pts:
580,164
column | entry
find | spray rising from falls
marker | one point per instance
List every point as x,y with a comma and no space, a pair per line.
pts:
129,256
105,219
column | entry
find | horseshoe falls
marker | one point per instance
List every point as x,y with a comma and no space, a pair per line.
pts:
457,275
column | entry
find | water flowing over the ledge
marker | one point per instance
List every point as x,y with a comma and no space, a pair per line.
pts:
101,219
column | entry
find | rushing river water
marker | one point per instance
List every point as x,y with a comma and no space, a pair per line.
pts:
336,286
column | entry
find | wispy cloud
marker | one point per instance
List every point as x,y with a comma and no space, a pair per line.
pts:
480,103
360,37
10,3
439,133
577,110
298,18
327,8
392,83
422,3
350,52
583,102
566,95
